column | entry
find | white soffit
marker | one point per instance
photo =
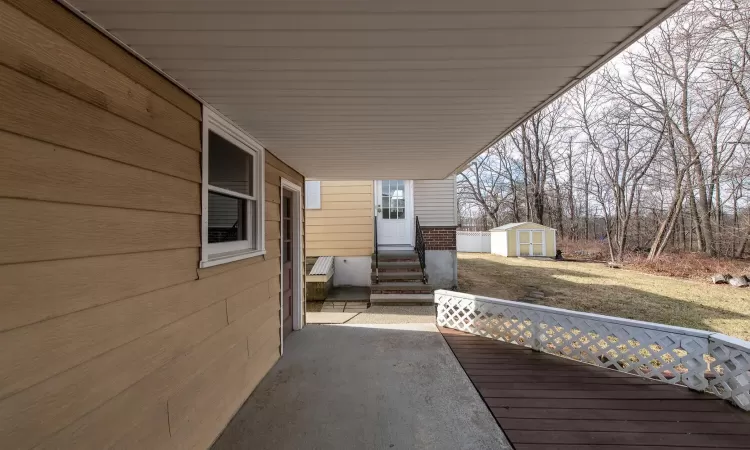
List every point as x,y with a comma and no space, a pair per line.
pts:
371,89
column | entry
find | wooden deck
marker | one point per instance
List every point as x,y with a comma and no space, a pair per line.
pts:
546,402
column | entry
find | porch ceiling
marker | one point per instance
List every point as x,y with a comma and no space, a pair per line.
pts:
359,89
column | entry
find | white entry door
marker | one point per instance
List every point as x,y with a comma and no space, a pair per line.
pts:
393,205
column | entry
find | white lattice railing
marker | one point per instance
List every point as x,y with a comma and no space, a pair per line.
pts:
700,360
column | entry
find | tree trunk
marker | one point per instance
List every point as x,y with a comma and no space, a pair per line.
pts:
694,219
571,202
667,227
538,207
586,211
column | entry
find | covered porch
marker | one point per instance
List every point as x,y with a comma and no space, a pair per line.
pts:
127,324
462,376
364,386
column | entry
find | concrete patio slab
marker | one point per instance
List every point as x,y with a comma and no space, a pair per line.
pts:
376,386
385,314
324,317
332,307
355,307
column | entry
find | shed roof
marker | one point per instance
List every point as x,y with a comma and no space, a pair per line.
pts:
510,226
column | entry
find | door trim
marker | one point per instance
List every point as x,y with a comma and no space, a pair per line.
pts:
297,302
409,195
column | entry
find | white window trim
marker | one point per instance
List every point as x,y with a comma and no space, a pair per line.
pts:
225,252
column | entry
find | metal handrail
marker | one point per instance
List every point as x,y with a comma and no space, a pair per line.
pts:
375,233
419,248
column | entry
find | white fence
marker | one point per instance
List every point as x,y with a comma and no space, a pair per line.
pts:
700,360
473,241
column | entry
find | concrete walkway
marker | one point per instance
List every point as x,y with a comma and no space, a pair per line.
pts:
376,314
365,386
395,314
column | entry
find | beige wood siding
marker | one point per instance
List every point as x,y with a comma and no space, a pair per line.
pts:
551,243
435,202
110,335
512,242
343,226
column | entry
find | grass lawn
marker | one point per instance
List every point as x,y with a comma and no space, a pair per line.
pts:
593,287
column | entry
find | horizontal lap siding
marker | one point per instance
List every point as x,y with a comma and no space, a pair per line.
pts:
110,335
435,202
91,41
343,226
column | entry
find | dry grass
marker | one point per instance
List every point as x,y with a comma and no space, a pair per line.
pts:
689,265
592,287
595,250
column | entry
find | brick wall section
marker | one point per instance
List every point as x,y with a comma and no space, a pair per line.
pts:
439,238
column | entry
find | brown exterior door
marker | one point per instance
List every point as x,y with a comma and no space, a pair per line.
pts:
287,258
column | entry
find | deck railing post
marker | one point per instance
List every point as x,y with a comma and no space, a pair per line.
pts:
536,330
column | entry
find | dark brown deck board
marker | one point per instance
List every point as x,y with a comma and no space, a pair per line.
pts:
629,405
557,378
609,394
658,425
598,414
613,384
677,440
602,447
546,402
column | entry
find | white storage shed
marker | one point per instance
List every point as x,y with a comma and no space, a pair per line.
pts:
523,239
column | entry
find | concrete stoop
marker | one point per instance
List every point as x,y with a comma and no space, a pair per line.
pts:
401,299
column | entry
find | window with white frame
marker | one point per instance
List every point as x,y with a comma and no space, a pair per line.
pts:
232,181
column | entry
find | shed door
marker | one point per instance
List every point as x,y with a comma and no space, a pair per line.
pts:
531,243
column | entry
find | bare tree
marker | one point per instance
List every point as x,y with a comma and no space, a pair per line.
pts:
657,138
488,184
533,140
626,144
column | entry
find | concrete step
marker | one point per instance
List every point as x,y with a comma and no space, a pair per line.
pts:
387,256
399,276
413,287
401,299
398,266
